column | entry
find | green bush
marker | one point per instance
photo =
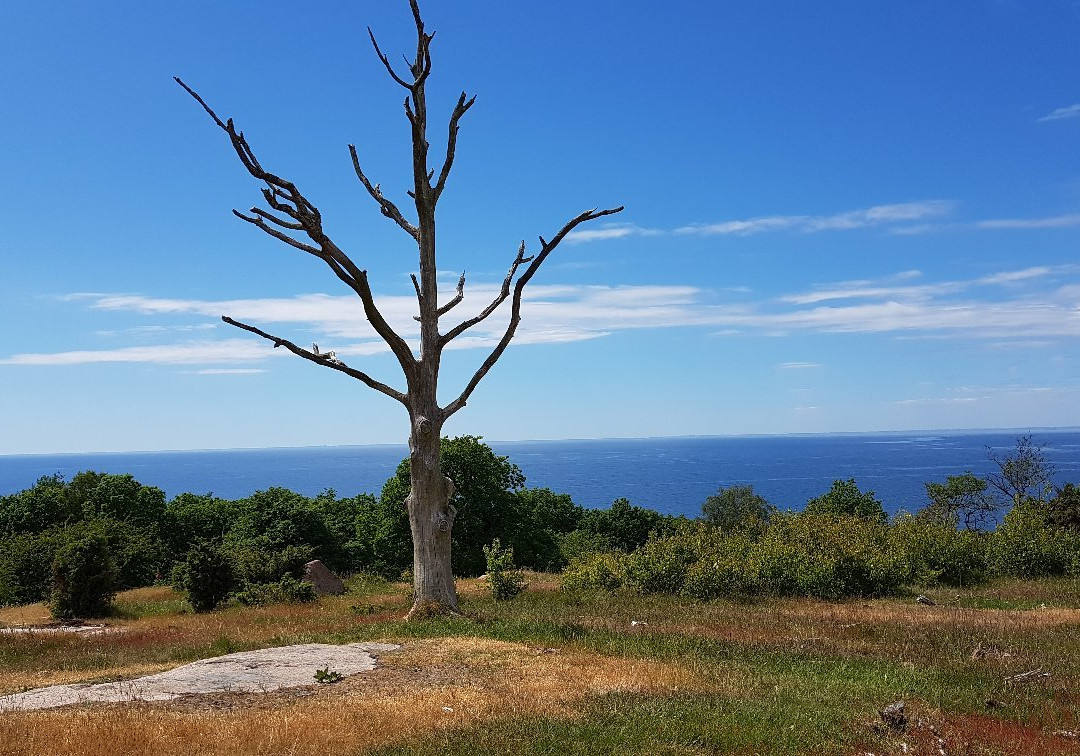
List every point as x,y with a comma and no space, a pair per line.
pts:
828,556
660,566
504,579
845,498
206,574
578,544
1025,545
737,508
933,550
287,590
599,570
84,579
26,567
724,570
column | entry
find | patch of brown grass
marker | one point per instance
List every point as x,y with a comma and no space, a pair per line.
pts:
430,685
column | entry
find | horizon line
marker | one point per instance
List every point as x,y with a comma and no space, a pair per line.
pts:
1022,430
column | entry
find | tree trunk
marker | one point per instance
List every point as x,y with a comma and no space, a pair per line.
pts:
431,518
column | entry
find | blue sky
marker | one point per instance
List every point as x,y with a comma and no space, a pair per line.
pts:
840,216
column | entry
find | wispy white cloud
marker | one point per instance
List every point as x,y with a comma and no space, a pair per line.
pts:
879,215
1037,303
609,231
189,353
1054,221
1069,111
229,371
798,365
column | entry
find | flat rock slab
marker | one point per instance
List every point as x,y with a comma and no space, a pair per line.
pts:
54,629
260,671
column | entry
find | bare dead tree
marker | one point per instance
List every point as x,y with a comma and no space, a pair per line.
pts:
292,219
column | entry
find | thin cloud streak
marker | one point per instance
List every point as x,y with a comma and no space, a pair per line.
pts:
878,215
1034,303
1053,221
1069,111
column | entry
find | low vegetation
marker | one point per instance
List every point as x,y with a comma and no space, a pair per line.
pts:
559,671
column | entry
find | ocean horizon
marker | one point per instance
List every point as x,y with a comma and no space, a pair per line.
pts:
671,474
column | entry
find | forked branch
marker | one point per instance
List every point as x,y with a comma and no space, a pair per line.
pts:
546,248
301,215
321,360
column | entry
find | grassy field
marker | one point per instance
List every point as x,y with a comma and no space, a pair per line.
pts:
561,673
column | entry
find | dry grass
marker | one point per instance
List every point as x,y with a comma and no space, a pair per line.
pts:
429,686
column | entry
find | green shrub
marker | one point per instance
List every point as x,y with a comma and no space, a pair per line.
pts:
933,550
578,544
26,567
737,508
599,570
661,564
828,556
626,525
504,580
724,571
287,590
257,564
206,574
845,498
1025,545
84,579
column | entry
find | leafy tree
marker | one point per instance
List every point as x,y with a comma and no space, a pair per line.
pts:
207,575
293,219
845,498
626,526
1024,473
84,579
276,518
119,497
1063,510
189,518
962,498
737,508
484,499
542,519
38,508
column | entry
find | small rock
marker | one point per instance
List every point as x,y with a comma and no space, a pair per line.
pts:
893,716
637,623
322,579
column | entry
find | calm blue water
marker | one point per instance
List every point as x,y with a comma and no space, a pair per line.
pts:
672,475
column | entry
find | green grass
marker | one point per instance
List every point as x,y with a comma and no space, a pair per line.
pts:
774,675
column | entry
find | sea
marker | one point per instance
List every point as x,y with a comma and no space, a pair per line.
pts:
670,475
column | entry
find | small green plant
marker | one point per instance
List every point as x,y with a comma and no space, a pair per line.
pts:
326,676
504,579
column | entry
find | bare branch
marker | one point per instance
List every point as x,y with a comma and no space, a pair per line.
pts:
451,141
515,307
283,196
260,223
277,221
386,61
322,360
504,292
457,297
389,209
